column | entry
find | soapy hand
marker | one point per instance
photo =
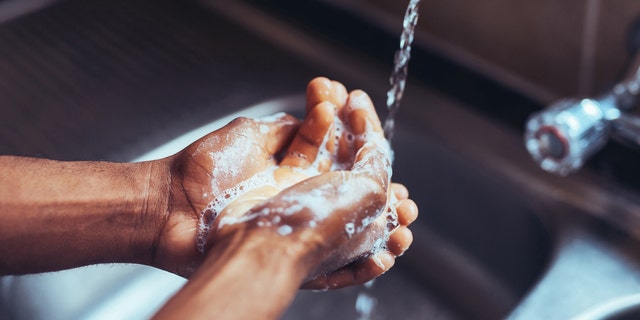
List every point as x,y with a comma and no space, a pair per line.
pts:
331,191
204,170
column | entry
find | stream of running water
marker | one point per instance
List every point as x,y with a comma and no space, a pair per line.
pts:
398,78
366,301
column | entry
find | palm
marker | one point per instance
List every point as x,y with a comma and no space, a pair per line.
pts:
318,221
203,171
206,169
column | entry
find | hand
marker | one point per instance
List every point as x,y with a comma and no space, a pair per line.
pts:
340,215
223,160
325,213
203,171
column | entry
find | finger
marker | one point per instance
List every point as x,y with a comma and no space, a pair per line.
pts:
340,94
361,114
322,89
373,154
373,267
374,161
253,141
364,124
275,134
400,191
407,212
399,240
313,137
355,273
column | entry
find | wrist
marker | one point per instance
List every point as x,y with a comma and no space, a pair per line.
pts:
257,265
153,211
265,243
261,244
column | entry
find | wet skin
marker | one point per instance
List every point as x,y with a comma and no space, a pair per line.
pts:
310,228
347,256
248,257
328,102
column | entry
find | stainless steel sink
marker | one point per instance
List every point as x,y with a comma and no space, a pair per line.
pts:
473,257
478,246
496,236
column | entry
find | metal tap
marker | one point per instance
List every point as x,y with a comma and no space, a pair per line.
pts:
564,135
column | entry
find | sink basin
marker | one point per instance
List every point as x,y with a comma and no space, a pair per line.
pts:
489,242
478,249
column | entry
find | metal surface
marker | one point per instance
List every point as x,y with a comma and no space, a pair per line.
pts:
138,74
581,127
591,277
479,281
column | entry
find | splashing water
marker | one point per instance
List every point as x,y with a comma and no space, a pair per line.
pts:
398,77
366,301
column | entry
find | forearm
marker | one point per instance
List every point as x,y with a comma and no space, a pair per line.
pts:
56,215
243,277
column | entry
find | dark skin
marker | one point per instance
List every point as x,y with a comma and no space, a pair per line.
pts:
147,213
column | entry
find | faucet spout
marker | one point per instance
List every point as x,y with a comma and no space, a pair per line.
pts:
563,136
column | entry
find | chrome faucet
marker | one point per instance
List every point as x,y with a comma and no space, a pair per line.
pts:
564,135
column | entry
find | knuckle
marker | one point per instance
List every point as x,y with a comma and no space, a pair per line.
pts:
242,122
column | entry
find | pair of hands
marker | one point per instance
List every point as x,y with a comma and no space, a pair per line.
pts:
336,216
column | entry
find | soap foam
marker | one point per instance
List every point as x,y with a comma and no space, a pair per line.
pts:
350,229
213,209
227,161
314,200
272,118
284,230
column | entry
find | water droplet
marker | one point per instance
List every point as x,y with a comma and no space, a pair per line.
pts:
350,228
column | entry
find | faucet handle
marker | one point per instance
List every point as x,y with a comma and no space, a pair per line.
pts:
563,136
